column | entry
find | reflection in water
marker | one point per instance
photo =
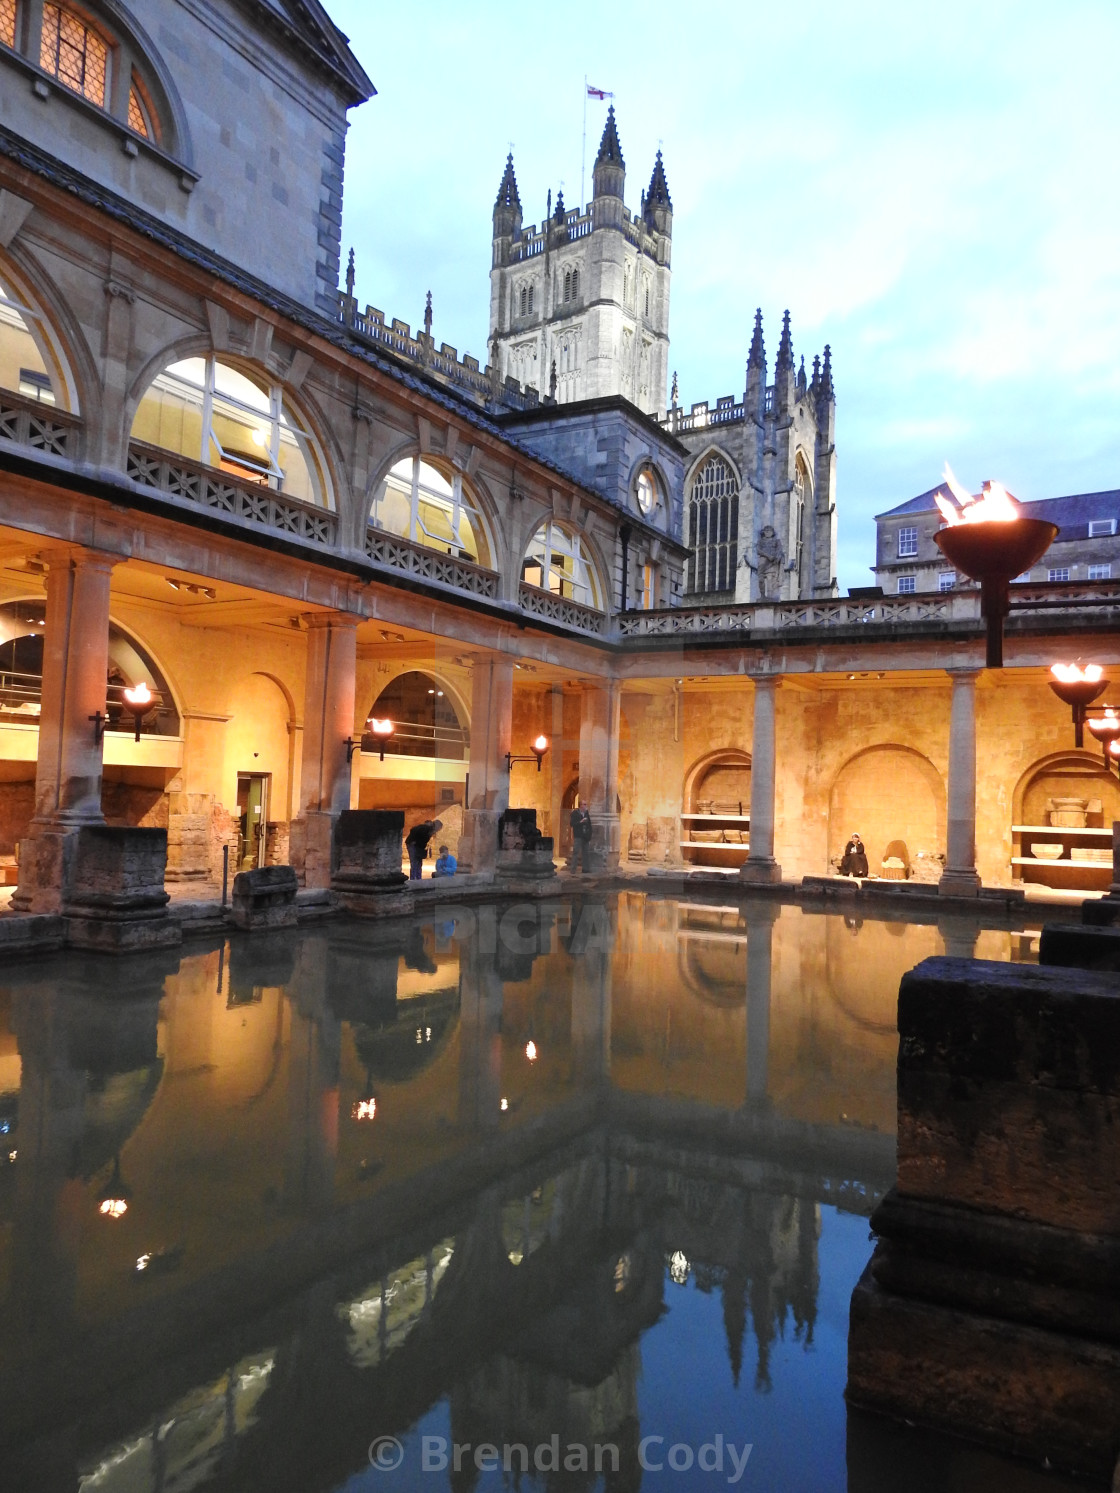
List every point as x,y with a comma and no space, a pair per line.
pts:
594,1170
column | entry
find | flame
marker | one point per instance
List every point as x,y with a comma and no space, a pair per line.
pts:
364,1109
541,745
113,1208
994,505
1107,724
139,695
380,728
1077,674
1114,748
531,1051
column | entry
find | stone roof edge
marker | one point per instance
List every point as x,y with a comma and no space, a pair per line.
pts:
336,58
543,413
66,179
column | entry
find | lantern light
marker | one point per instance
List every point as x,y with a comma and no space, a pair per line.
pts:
139,700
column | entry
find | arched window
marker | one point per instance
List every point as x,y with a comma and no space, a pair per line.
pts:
8,23
557,561
802,489
75,53
240,423
647,297
418,502
22,626
567,285
575,285
425,721
83,58
647,491
713,520
30,363
524,299
530,300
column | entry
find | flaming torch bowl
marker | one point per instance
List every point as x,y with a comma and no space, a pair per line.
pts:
993,553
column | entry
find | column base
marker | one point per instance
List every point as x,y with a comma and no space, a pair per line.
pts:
478,843
959,884
606,842
46,868
311,847
765,872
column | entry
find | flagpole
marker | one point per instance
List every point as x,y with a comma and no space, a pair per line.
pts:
583,147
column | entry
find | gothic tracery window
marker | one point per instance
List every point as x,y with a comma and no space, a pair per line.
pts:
713,520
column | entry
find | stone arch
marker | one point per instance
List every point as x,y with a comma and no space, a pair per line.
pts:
158,79
446,688
306,418
260,739
724,769
887,792
58,338
1071,770
697,465
481,500
711,529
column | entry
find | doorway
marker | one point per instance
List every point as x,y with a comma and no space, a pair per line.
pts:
252,807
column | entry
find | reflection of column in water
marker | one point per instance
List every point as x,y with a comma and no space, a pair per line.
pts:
313,1082
480,1008
959,935
591,945
760,919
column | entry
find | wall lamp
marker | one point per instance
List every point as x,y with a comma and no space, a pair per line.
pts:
1105,728
539,748
139,700
1077,686
381,731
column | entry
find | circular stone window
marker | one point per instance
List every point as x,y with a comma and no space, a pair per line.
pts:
647,491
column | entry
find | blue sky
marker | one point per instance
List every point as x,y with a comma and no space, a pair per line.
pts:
930,189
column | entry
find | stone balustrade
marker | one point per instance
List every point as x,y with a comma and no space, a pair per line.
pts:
38,427
560,609
245,503
431,565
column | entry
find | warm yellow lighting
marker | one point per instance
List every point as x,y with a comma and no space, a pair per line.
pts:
541,744
113,1207
139,697
260,438
1075,674
994,505
380,728
364,1109
504,1105
531,1050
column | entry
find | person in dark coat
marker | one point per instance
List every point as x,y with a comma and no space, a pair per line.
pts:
416,843
581,837
854,862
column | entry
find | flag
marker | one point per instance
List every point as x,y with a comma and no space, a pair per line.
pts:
598,92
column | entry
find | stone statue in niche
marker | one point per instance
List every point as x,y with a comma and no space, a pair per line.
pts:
770,557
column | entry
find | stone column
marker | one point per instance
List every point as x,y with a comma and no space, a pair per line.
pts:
598,769
592,942
69,767
959,878
328,719
760,864
760,918
488,785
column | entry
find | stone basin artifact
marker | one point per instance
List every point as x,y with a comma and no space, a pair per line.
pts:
1068,813
1046,851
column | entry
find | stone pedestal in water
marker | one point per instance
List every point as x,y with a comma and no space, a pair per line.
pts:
265,898
524,854
114,898
991,1306
366,874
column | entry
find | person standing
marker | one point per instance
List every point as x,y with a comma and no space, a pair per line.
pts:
581,837
417,842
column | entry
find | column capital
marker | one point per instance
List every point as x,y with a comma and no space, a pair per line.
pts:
764,679
79,557
315,620
964,674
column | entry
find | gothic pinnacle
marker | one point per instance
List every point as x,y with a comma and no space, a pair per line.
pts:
658,192
785,347
609,147
826,374
757,358
507,191
350,275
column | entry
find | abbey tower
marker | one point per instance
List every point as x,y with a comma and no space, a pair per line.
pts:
585,296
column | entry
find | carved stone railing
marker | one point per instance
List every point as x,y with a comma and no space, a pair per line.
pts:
779,616
430,565
1061,595
37,427
560,609
257,507
702,416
